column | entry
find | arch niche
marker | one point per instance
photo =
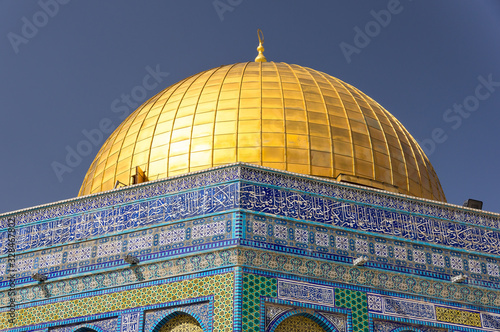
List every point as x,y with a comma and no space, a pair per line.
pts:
178,322
301,322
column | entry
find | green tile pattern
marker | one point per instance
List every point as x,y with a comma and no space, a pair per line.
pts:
355,301
254,287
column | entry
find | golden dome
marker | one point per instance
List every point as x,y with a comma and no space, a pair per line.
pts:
277,115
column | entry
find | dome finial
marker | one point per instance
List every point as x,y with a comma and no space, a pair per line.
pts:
260,57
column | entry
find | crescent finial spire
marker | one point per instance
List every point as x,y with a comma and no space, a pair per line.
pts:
260,57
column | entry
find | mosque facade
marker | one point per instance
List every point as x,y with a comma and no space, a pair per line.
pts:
258,196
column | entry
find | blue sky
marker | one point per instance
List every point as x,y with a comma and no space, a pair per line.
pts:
432,64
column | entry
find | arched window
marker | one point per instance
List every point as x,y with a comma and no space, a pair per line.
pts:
179,322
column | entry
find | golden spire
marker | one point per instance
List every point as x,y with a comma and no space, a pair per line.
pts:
260,57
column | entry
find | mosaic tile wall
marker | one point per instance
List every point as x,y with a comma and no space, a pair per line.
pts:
107,252
268,299
290,264
123,217
373,279
187,236
349,193
198,313
154,212
431,312
259,313
303,206
219,286
330,203
358,216
388,254
322,295
123,276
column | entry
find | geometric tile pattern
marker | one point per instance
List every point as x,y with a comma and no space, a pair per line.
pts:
103,252
355,301
456,316
219,286
374,303
254,287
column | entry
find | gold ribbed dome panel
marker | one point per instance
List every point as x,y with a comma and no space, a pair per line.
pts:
271,114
